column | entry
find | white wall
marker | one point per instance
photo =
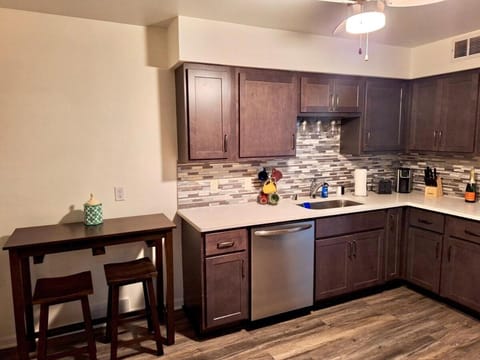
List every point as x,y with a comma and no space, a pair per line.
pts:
234,44
436,58
84,106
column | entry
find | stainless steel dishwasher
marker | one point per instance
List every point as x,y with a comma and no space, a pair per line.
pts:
282,268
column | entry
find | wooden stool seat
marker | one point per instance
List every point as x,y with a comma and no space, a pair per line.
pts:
130,272
51,291
119,274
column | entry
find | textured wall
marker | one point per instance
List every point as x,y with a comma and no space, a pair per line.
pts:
454,170
317,156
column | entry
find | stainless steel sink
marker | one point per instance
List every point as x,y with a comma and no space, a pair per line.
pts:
328,204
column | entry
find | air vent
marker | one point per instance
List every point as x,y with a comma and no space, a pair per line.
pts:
464,48
461,48
474,45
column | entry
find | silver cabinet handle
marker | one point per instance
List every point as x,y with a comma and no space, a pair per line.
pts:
283,230
354,248
349,250
225,244
331,104
293,142
337,100
434,138
225,143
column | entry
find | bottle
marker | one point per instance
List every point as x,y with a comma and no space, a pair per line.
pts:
325,190
471,189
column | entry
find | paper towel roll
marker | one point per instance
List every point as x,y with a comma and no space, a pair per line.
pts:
360,178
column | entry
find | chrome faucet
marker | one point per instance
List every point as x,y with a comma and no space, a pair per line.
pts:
314,186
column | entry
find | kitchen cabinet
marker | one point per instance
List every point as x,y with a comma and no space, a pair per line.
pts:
327,93
215,275
381,126
350,262
461,262
393,243
205,112
268,108
424,249
384,115
444,113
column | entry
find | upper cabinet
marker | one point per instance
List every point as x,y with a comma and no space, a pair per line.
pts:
267,113
384,115
381,126
444,111
204,112
327,93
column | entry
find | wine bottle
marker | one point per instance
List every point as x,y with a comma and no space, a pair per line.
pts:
471,190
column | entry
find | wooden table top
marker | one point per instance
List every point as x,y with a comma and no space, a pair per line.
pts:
50,234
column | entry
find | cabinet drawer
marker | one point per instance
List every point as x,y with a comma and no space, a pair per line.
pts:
225,242
351,223
426,220
463,229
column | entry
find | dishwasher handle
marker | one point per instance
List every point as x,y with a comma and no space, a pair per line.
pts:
283,230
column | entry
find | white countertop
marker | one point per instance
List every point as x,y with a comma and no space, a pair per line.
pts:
214,218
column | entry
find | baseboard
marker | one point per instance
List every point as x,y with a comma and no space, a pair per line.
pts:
8,342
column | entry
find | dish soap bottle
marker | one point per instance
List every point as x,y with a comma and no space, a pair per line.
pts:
471,189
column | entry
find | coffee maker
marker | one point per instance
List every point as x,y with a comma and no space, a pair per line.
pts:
404,180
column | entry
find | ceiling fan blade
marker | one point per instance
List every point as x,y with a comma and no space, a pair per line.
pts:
340,1
406,3
340,27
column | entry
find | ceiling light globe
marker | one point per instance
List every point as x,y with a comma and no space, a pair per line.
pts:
365,22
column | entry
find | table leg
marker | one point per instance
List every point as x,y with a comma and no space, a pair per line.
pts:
19,301
27,295
170,320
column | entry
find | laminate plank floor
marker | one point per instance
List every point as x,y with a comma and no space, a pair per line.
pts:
394,324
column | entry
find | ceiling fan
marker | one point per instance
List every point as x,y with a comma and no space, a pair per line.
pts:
366,16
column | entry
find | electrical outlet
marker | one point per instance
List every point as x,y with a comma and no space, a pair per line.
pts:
120,194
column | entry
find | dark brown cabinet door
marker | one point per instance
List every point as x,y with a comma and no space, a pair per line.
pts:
324,93
366,259
393,236
461,272
384,115
425,115
459,110
226,289
204,112
346,95
268,108
209,113
332,257
444,113
315,94
424,258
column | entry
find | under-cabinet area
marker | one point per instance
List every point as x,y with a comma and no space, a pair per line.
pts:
350,252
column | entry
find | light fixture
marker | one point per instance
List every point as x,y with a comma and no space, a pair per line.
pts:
366,17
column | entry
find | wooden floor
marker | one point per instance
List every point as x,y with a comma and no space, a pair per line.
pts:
394,324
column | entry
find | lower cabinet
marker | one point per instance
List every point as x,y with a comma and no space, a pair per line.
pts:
215,277
393,244
424,258
349,262
424,248
461,262
226,289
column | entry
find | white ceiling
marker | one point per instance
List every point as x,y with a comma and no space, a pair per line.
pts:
409,27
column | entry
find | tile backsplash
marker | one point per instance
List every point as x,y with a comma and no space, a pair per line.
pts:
206,184
216,183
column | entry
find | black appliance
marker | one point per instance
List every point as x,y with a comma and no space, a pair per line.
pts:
404,180
383,186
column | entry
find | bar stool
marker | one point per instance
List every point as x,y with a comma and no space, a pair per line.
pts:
51,291
119,274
